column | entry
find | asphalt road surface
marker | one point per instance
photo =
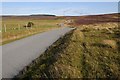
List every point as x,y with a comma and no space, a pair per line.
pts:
18,54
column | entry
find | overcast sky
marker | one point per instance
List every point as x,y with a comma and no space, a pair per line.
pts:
59,8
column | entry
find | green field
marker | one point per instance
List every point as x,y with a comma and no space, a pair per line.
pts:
12,29
86,52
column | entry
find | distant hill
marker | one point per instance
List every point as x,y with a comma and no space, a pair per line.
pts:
42,15
34,17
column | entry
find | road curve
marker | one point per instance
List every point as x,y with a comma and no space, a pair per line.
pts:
18,54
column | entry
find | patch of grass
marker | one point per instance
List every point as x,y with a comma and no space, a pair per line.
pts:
16,31
100,55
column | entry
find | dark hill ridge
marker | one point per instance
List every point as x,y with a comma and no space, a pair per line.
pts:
42,15
88,19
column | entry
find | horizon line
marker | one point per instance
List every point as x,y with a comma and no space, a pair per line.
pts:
54,14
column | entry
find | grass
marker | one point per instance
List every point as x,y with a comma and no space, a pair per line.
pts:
79,54
16,31
101,54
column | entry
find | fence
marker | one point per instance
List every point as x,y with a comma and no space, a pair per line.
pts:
18,27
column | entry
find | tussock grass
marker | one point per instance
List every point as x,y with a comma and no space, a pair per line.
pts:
79,54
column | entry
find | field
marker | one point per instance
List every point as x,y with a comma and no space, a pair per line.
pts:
12,26
92,50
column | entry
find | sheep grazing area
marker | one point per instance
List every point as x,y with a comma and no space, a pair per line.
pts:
90,51
13,27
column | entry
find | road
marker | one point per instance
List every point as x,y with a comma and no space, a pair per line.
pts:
18,54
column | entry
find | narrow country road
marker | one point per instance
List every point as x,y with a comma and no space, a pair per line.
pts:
18,54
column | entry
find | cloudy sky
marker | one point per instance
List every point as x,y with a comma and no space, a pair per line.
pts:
59,8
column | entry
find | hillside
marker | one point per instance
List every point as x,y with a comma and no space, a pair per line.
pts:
91,19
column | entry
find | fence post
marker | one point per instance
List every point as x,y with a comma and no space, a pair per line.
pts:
5,27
